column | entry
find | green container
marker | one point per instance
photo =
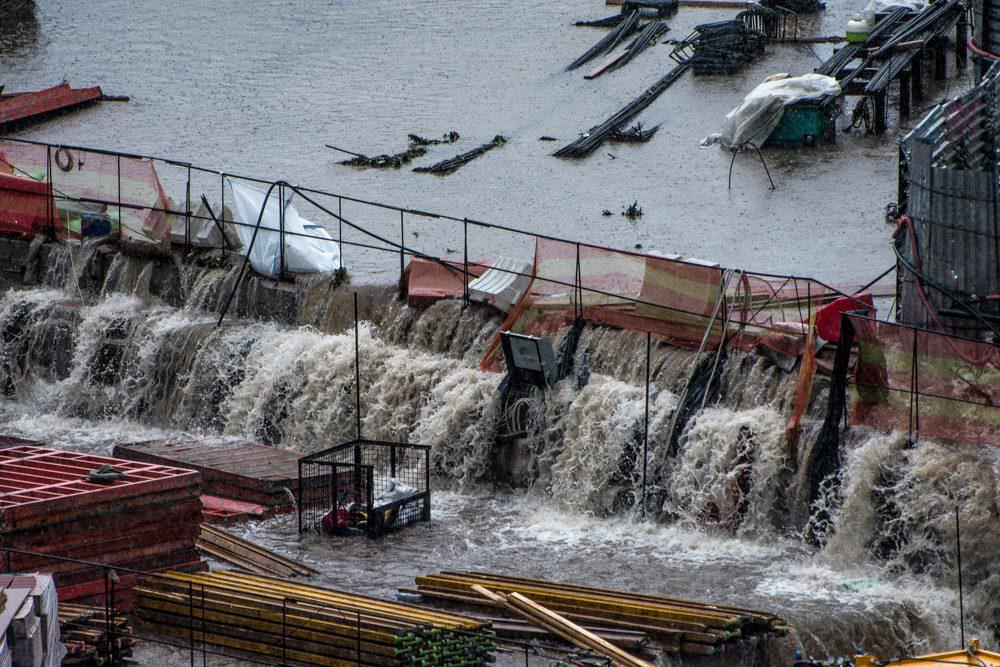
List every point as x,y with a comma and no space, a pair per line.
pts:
807,123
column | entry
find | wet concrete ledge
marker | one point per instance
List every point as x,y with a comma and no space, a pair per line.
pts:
170,274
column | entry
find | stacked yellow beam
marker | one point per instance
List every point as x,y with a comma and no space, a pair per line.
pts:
682,626
560,626
229,548
306,624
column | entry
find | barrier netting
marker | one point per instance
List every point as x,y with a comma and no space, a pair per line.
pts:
685,303
77,184
924,383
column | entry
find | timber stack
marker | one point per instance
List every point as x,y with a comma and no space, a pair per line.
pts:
679,626
306,624
87,635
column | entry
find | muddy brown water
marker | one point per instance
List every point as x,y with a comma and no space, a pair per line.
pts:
259,87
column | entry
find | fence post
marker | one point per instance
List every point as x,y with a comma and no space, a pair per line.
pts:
284,634
187,209
402,244
204,647
300,497
359,636
281,230
645,425
578,287
465,261
107,617
51,204
111,625
191,620
340,229
118,160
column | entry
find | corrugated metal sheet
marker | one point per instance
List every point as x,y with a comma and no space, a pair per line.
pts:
951,163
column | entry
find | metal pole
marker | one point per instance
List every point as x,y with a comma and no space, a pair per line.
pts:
281,230
340,229
359,636
465,261
222,182
645,426
299,504
51,203
204,644
284,622
107,616
191,620
357,369
402,243
578,288
119,162
958,553
187,209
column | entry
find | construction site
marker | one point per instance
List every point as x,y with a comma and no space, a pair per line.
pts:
654,332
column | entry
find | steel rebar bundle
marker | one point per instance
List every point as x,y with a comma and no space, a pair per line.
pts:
649,35
609,41
451,164
590,141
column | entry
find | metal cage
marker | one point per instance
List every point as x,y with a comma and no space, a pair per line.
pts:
364,487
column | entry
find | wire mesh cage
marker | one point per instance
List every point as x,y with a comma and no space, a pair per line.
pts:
364,487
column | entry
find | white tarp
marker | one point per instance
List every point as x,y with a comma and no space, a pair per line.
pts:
319,254
205,232
761,111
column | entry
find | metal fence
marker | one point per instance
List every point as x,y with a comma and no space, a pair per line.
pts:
133,190
190,641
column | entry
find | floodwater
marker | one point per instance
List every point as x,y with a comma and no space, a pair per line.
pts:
259,88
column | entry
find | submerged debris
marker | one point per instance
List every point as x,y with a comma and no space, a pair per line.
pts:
417,140
649,36
606,213
633,212
634,134
609,41
606,22
451,164
394,161
590,141
723,47
415,148
547,138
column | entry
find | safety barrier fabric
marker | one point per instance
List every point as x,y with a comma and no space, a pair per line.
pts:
925,383
84,182
684,303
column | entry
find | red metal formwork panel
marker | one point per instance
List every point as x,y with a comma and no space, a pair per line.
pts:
43,481
247,471
39,103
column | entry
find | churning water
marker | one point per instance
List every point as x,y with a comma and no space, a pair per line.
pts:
725,514
258,88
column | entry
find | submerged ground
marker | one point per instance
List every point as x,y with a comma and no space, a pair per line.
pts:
258,88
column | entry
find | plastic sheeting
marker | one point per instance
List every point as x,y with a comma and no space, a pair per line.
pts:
761,110
308,247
